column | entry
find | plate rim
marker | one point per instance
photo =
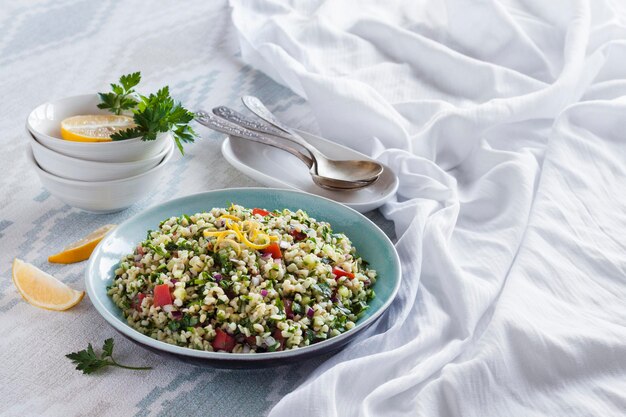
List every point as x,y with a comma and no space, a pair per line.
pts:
143,339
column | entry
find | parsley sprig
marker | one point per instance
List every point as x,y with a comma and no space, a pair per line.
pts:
88,361
153,114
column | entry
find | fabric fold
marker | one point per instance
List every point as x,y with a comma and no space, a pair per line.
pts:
501,120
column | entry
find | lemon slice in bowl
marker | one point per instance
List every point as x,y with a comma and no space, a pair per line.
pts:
81,249
43,290
94,127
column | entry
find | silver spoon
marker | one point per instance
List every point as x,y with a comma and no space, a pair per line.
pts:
345,170
229,128
261,126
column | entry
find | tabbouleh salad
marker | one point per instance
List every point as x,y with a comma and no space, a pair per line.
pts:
243,280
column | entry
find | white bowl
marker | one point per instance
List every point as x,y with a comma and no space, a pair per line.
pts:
101,196
82,170
44,122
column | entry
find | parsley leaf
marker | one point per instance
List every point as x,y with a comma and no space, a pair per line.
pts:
322,288
310,335
107,348
86,360
89,362
121,98
153,114
130,80
129,133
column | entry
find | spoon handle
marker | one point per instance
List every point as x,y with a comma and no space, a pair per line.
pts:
229,128
261,125
253,124
257,107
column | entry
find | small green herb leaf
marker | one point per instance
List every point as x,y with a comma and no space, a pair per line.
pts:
89,362
133,132
129,81
107,348
122,96
86,360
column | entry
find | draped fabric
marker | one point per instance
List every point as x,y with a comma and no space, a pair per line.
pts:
505,122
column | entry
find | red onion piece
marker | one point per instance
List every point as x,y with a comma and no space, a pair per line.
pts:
177,315
288,312
310,312
264,293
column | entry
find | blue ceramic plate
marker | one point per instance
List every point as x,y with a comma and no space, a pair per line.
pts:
371,243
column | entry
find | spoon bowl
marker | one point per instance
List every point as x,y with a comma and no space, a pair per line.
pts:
336,185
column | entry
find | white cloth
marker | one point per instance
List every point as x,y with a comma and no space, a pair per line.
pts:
505,122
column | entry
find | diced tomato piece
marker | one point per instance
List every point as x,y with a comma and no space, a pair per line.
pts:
278,335
274,250
260,211
251,341
297,236
162,296
288,311
137,301
338,273
223,341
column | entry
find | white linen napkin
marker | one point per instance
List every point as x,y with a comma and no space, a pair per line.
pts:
504,121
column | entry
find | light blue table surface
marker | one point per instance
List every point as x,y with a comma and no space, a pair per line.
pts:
51,49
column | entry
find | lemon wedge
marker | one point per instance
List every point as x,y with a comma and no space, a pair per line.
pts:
81,250
94,128
43,290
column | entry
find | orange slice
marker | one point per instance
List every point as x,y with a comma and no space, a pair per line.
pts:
94,127
43,290
81,250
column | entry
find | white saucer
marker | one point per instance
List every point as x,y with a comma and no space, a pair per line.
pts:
276,168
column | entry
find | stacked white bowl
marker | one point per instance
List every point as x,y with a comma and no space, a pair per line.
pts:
100,177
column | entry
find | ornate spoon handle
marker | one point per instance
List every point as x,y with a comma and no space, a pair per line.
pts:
229,128
247,122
